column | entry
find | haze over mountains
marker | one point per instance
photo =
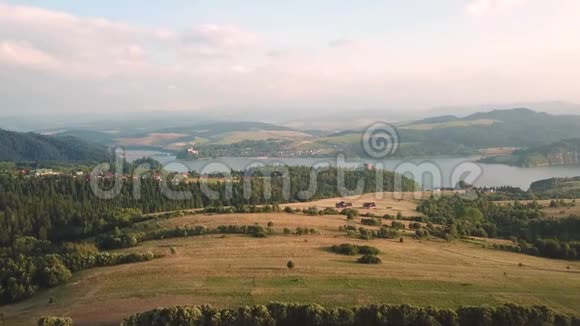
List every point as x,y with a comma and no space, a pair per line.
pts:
446,135
313,118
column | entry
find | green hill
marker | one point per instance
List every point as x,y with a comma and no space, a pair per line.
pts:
564,152
15,146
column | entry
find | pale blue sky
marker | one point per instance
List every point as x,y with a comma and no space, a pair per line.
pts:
331,54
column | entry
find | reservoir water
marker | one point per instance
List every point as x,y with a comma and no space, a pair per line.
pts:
492,175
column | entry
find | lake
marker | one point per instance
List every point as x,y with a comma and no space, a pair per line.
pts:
447,170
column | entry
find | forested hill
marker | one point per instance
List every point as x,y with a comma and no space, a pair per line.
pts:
565,152
15,146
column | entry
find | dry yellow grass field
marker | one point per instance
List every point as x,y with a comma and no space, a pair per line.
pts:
232,270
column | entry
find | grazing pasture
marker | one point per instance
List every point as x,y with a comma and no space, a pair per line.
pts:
232,270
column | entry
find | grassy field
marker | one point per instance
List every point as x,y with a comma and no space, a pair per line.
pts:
232,270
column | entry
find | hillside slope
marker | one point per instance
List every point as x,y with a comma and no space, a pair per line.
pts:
15,146
565,152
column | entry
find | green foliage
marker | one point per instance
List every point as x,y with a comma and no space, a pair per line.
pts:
398,225
291,314
535,235
55,321
350,212
15,147
422,233
65,209
353,250
371,222
312,211
369,259
384,232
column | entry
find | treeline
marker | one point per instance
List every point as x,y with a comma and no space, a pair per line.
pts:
524,224
283,314
119,239
30,265
66,209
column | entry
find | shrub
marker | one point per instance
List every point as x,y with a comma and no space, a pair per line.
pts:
398,225
422,233
288,210
350,211
330,211
346,249
290,264
415,226
55,321
368,250
270,224
287,231
369,259
371,222
311,211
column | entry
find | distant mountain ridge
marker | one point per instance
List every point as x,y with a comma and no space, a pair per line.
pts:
15,146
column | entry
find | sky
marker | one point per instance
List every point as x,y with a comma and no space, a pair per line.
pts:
300,56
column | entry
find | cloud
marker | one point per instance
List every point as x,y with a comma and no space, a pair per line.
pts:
23,54
219,36
486,7
99,48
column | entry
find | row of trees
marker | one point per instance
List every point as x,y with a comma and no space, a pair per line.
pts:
282,314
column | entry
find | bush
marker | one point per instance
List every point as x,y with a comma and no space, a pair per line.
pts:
350,211
311,211
415,226
369,259
288,210
330,211
290,264
371,222
55,321
398,225
346,249
270,224
368,250
422,233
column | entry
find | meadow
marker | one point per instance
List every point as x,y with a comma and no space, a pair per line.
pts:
232,270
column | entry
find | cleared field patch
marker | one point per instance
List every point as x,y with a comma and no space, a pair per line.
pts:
232,270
